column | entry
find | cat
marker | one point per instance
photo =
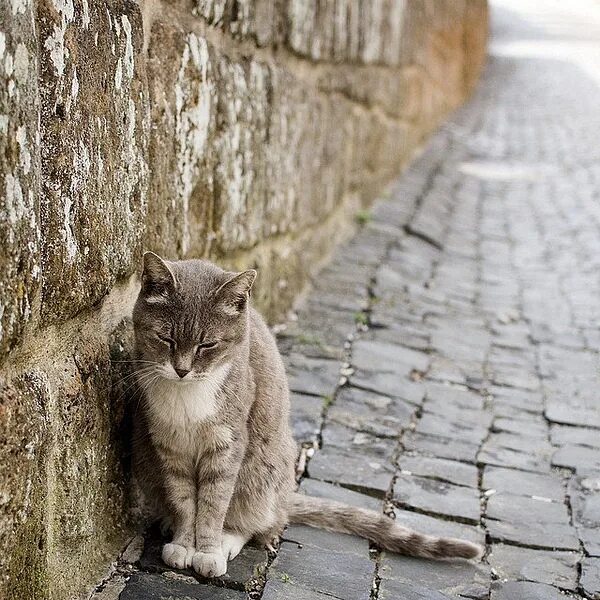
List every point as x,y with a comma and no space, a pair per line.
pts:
213,449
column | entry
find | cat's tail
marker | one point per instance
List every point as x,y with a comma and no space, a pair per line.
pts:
383,531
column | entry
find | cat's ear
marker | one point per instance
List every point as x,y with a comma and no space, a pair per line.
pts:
158,280
232,296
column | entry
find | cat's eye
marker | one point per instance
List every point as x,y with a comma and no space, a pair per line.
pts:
167,340
205,345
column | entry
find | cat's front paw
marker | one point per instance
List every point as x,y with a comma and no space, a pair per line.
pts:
177,556
209,564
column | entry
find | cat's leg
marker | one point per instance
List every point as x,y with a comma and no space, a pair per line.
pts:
217,473
232,543
181,495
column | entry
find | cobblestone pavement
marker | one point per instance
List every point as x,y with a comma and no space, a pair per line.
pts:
445,367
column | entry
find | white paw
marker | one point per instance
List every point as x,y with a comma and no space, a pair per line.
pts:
209,564
232,544
177,556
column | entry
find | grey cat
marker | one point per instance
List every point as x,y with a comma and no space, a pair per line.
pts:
213,450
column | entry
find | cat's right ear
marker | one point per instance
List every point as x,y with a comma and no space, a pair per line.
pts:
158,281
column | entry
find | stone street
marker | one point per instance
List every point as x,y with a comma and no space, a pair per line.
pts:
444,367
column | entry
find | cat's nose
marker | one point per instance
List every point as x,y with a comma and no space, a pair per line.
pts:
182,372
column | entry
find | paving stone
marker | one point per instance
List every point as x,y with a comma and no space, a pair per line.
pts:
343,575
306,416
309,537
527,425
536,535
521,509
440,468
590,576
439,526
385,357
568,415
284,589
371,413
440,446
312,376
562,435
439,396
446,371
523,590
524,564
150,586
590,538
322,489
577,458
515,378
390,384
437,425
523,483
360,443
437,497
391,589
504,457
448,577
346,468
535,446
584,495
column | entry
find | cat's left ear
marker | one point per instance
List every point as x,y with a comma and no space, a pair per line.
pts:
233,295
158,280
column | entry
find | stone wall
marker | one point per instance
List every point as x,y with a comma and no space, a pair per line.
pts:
247,131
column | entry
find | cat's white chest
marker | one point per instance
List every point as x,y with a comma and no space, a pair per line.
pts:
183,405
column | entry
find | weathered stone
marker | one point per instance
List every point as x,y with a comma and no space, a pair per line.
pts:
339,573
391,385
441,447
523,564
94,154
283,589
306,415
391,589
371,413
523,483
523,590
554,537
453,428
440,396
577,458
20,227
321,489
440,468
568,415
451,577
562,435
521,509
585,500
590,538
313,376
590,576
346,468
526,425
360,443
384,357
150,586
504,457
437,497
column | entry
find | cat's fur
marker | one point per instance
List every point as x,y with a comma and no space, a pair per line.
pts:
213,449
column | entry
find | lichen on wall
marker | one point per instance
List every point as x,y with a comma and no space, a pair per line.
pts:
246,131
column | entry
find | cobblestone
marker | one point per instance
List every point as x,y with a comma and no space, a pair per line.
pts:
445,366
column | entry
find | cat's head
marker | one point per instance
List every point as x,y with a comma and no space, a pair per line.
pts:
189,317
